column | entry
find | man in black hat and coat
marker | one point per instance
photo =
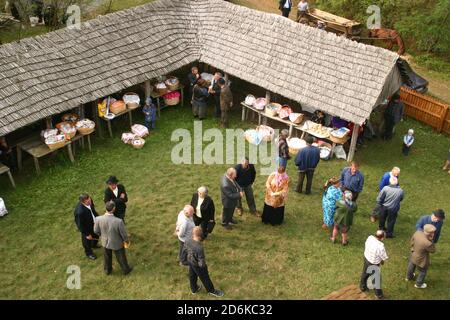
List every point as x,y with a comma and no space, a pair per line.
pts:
85,216
116,193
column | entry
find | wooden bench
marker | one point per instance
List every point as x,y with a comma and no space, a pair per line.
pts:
5,169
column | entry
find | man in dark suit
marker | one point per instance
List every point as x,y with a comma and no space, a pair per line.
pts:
285,7
204,209
226,102
85,216
245,178
116,193
231,193
193,77
215,90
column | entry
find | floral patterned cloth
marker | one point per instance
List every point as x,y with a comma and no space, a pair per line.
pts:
330,197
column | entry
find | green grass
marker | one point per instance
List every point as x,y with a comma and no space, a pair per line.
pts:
39,240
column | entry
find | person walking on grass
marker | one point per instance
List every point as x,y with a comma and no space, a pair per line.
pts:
149,111
353,180
389,201
85,216
374,257
436,219
226,102
421,247
343,218
245,177
116,192
204,210
306,161
183,230
302,10
114,239
285,7
331,196
197,264
408,140
231,193
395,172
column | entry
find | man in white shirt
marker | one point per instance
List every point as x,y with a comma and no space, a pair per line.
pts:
374,256
302,9
185,224
285,7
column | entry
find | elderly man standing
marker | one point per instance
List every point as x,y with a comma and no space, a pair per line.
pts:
307,160
436,219
116,192
389,201
197,264
193,77
421,247
353,180
85,216
215,91
226,102
184,226
395,172
374,256
231,193
245,178
114,237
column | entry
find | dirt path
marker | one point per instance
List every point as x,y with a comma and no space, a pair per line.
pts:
439,86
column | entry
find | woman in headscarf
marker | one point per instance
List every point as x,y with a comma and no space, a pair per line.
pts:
204,210
331,195
343,218
277,188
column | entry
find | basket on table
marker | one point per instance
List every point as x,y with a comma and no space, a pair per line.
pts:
340,136
117,107
85,126
138,143
296,118
272,109
295,145
172,98
47,133
131,100
56,142
250,100
172,83
70,117
161,88
68,129
339,140
260,104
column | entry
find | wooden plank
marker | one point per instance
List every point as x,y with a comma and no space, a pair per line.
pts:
351,152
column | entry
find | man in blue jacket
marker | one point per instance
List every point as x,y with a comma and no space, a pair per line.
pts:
436,219
307,160
395,172
352,179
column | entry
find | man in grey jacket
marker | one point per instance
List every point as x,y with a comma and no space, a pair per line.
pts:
231,193
114,236
389,200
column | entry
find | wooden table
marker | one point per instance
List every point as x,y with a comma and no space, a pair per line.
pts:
157,96
333,143
130,118
38,149
5,169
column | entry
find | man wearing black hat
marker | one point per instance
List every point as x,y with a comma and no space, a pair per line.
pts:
436,219
116,193
85,216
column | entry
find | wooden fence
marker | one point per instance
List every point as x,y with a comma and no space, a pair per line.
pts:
427,110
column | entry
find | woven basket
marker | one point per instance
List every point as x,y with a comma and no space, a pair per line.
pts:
86,131
138,146
296,119
70,117
172,102
131,105
172,87
336,140
70,135
272,112
118,107
57,145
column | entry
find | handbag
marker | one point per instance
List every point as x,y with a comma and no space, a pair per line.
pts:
210,226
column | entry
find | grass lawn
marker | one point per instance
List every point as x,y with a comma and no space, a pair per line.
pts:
39,240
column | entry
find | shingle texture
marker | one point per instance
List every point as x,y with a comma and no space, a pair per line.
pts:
60,70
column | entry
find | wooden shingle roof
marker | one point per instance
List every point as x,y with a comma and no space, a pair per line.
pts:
60,70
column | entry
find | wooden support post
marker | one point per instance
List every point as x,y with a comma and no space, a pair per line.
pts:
227,79
351,152
243,113
267,97
36,164
69,149
97,119
11,179
81,111
48,123
148,90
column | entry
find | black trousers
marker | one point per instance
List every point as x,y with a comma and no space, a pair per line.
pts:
389,216
285,12
88,244
203,223
227,215
218,111
389,125
405,150
182,254
121,259
309,178
365,276
196,272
